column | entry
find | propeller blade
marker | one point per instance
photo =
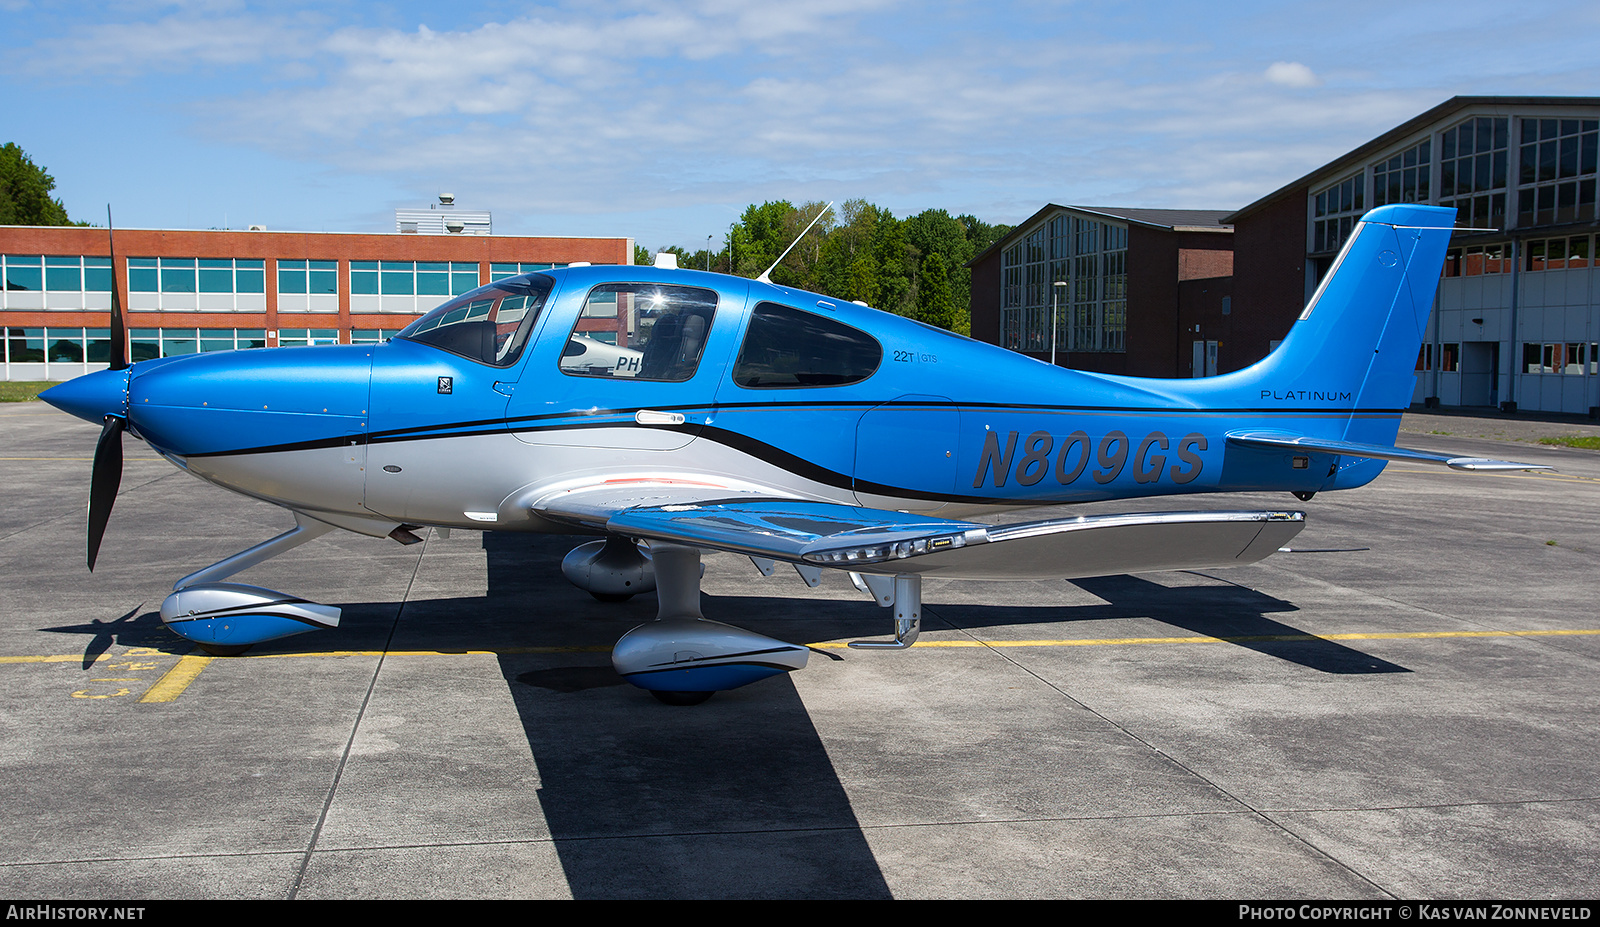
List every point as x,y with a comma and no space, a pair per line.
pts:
104,481
119,330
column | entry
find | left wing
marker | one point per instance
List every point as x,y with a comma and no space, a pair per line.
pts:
1287,441
865,540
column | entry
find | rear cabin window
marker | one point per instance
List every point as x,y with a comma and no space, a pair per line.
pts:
786,348
490,324
640,331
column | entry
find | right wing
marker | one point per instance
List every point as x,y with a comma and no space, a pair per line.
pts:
866,540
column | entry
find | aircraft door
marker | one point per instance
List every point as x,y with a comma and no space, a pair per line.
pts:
907,449
626,367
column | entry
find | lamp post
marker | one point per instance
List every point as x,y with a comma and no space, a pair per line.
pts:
1055,299
708,252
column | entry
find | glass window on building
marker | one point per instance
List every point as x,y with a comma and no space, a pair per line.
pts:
1473,175
301,337
1566,358
1558,253
1335,211
64,345
34,282
24,272
502,271
364,278
1477,260
151,343
144,344
204,284
1404,177
1442,357
407,286
143,275
1090,257
25,345
307,277
1557,169
97,275
63,274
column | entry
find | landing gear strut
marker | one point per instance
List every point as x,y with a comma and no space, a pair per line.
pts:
226,619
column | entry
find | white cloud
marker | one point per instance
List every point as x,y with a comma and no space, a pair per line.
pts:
1291,74
629,107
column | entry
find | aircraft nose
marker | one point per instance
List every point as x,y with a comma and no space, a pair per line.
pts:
92,396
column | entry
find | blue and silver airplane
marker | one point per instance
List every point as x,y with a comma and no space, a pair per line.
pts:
669,411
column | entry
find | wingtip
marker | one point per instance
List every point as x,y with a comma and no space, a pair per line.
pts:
1484,464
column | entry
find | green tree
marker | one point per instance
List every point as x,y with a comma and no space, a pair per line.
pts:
896,266
641,255
25,192
936,303
759,236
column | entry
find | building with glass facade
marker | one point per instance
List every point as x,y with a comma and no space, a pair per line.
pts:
1517,316
189,291
1124,287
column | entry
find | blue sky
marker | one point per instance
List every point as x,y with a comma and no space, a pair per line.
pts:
661,121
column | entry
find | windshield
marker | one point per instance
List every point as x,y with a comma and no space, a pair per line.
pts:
490,324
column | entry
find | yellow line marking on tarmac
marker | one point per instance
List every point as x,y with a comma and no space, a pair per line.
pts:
1243,639
594,648
191,664
177,679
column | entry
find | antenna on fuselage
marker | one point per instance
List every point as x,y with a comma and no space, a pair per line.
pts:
764,278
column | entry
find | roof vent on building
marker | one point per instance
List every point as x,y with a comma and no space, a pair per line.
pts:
454,226
447,199
667,260
258,228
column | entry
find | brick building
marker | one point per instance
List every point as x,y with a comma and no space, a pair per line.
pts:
1138,288
189,291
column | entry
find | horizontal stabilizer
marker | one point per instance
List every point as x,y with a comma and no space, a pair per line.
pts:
1285,441
867,540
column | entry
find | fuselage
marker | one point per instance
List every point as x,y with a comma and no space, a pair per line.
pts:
410,432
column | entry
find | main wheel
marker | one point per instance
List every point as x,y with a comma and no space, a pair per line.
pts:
680,698
224,650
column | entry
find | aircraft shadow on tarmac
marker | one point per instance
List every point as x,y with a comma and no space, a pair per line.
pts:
1235,613
734,798
136,628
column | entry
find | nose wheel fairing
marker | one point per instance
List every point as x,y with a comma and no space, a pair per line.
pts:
236,615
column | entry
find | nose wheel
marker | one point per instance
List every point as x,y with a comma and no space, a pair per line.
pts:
680,698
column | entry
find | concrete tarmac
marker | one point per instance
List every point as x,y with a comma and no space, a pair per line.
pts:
1403,707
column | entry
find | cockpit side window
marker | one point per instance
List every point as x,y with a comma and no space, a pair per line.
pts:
490,324
640,331
787,348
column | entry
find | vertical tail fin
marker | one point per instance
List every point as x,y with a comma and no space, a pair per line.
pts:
1356,342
